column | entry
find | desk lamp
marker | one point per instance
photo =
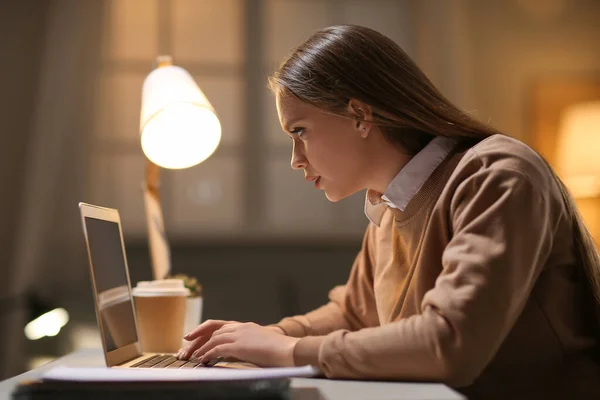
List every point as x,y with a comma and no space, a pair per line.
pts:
178,129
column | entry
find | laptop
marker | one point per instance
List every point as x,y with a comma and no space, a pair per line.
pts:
132,374
112,295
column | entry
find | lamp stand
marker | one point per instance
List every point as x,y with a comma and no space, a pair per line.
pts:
153,179
160,253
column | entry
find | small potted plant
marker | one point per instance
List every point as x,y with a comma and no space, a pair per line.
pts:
193,313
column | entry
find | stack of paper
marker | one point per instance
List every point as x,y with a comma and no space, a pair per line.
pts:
148,374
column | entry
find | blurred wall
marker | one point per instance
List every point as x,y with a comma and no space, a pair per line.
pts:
52,45
22,25
516,43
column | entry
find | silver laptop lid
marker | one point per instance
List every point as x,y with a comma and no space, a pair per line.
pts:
110,282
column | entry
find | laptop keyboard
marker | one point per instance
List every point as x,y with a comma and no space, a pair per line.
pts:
167,361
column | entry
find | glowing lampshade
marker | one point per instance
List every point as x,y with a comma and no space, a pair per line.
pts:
179,128
578,151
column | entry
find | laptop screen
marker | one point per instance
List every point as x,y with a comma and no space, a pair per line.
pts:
111,285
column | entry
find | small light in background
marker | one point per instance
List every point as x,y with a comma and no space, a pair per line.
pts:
577,156
48,324
578,159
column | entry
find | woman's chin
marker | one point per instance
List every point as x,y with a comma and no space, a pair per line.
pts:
333,196
333,192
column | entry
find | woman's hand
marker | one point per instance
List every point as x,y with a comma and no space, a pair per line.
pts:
199,336
263,346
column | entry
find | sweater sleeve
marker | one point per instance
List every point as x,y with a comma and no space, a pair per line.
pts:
351,307
502,235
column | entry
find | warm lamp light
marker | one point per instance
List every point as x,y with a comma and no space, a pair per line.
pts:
48,324
178,126
578,153
44,318
578,160
178,129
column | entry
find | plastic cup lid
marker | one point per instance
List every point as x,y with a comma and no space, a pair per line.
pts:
163,287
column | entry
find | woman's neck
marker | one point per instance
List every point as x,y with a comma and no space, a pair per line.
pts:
385,162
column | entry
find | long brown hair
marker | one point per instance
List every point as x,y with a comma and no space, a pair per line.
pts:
346,62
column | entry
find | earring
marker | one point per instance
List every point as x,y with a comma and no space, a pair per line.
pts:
363,129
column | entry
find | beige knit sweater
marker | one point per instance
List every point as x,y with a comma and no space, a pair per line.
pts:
474,284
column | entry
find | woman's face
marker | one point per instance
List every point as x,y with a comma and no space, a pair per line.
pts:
328,148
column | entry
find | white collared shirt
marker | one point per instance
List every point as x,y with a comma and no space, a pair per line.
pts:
409,180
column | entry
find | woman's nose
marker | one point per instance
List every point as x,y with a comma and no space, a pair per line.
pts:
299,160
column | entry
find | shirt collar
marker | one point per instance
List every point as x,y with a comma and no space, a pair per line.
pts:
409,180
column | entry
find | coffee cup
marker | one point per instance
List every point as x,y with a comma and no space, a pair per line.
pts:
160,308
115,307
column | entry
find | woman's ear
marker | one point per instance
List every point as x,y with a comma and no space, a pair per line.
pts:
363,117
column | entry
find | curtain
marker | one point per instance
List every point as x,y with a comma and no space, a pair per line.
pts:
49,254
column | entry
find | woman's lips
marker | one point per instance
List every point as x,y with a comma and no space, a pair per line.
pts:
315,179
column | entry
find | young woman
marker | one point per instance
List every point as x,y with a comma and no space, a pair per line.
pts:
475,270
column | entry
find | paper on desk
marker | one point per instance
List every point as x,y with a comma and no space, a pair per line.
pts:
148,374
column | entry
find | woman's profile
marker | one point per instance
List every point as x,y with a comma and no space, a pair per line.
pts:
475,270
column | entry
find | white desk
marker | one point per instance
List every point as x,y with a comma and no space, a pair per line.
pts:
302,388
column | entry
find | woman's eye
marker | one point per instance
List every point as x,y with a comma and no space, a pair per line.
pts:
297,131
